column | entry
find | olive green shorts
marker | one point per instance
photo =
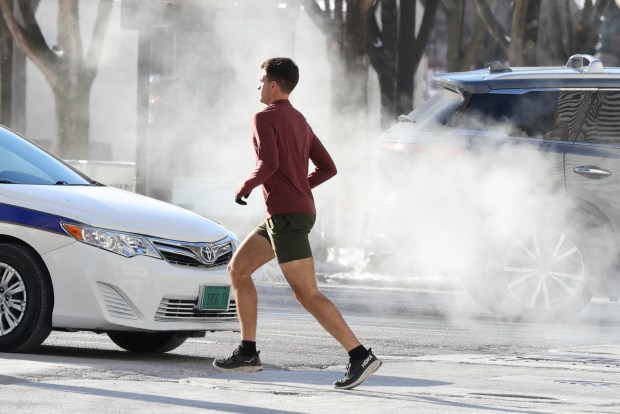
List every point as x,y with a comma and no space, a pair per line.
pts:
288,235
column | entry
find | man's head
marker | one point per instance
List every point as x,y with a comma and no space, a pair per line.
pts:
280,76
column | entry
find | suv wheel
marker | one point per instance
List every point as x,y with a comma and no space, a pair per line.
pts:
544,274
547,274
26,300
150,342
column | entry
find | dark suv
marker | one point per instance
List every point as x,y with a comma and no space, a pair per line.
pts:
530,157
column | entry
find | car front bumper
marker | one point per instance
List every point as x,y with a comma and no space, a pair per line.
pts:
98,290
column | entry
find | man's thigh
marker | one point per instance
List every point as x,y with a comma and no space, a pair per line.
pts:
300,275
254,252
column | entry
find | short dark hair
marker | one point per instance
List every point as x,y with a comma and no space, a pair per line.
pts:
283,71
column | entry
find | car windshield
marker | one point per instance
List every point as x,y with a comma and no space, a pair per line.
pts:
436,109
22,162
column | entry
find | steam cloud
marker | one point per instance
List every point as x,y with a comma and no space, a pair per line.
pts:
449,210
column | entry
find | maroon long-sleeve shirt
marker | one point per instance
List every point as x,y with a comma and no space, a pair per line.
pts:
284,143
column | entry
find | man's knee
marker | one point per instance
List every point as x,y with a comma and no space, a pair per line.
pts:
308,298
236,273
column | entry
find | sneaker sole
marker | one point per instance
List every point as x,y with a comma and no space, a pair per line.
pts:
372,368
239,369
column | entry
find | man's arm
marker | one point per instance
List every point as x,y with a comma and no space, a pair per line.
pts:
266,155
324,165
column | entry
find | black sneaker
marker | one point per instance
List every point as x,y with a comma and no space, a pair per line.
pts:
358,371
238,362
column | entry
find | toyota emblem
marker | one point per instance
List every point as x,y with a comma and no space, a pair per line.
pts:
207,253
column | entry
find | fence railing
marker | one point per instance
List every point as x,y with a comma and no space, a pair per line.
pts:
114,174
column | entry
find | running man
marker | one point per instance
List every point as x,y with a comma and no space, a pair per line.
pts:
284,144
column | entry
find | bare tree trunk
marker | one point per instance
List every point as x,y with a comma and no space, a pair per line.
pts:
406,64
347,38
20,81
524,33
588,28
6,74
411,47
69,72
468,59
454,26
383,57
73,119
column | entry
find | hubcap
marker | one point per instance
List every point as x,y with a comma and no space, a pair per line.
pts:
544,270
12,299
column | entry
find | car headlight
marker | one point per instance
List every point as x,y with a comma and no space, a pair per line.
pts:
125,244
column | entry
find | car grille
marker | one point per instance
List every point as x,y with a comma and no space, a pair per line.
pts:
193,254
171,310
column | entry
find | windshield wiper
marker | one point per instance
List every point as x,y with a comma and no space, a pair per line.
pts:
3,181
93,182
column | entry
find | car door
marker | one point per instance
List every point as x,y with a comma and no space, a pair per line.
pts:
592,164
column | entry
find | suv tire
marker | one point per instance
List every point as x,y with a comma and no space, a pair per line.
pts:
545,273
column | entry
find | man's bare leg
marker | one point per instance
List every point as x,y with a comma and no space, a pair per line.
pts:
300,276
254,252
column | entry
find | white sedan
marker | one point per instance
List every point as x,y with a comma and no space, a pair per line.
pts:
77,255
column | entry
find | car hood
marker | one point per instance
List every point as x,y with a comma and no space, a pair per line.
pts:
115,209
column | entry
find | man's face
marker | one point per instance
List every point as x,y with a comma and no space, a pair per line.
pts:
266,88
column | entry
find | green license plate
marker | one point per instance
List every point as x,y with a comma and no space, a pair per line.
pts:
214,297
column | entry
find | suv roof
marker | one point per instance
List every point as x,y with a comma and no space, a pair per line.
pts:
574,75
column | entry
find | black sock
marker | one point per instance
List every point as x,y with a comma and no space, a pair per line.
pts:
248,348
358,353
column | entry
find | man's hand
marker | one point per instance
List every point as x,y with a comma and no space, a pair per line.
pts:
239,200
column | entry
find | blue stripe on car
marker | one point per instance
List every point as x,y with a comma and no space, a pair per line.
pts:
32,218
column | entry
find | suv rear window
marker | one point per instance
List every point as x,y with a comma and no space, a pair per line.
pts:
437,109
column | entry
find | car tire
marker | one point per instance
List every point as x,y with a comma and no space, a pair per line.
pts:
148,342
26,299
544,274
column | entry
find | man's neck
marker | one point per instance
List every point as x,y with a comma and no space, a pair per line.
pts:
279,97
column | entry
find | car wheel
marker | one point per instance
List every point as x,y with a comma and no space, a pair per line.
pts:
151,342
547,274
542,275
26,300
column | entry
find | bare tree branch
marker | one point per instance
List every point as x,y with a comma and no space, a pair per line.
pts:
93,55
317,15
428,21
477,36
495,29
31,40
448,4
69,39
25,12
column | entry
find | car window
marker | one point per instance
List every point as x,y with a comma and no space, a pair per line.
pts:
551,115
603,122
22,162
437,108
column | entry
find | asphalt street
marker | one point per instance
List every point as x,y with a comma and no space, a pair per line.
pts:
442,353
